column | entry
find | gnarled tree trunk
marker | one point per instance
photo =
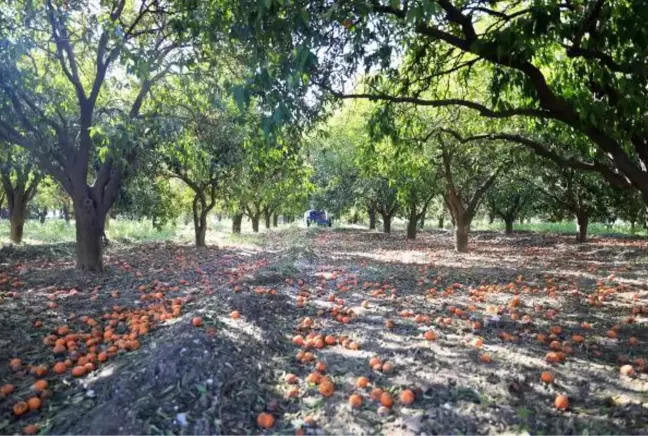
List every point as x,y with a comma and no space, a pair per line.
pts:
255,223
200,212
582,222
411,223
462,212
18,193
237,219
90,225
201,208
386,223
462,229
372,218
267,216
17,215
508,222
201,232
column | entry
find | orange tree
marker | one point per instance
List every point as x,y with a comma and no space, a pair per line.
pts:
201,139
20,178
74,82
578,64
271,178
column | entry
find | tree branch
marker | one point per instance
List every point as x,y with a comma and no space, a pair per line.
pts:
455,15
611,176
30,192
604,58
483,110
479,193
6,183
589,22
62,40
103,177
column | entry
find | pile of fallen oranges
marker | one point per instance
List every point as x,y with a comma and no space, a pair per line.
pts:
80,351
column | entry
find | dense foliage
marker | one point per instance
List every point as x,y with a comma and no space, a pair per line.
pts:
379,110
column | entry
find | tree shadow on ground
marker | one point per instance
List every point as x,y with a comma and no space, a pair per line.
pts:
218,383
604,385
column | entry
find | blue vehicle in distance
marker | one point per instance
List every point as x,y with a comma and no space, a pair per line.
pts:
317,217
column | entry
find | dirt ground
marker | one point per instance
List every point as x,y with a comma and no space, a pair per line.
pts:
163,375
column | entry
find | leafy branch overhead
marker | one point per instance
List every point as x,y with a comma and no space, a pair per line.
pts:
579,66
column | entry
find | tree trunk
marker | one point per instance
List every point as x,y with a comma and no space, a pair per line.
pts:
421,222
411,229
17,222
582,221
462,228
201,232
255,223
200,212
275,220
17,214
372,218
386,223
236,223
632,226
355,218
42,215
200,226
411,223
66,214
441,223
90,225
491,218
267,217
509,225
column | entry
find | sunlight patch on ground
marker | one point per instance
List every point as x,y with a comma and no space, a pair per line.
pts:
402,256
105,371
242,326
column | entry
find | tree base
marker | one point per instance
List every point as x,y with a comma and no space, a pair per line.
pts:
411,230
461,239
16,232
236,223
90,224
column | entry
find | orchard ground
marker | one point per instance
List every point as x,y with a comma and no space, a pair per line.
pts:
374,292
